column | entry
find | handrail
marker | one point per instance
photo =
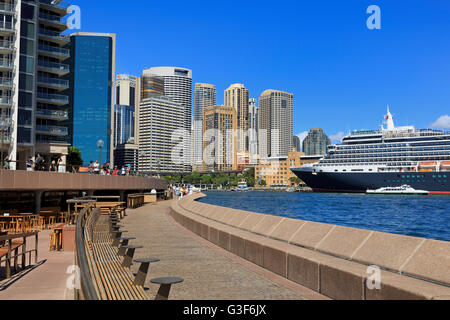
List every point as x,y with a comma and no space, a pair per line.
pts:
87,286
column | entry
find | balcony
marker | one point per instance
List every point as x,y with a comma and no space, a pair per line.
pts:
58,68
6,83
6,65
7,8
57,115
52,130
53,83
6,28
5,102
56,99
53,36
53,21
57,6
6,47
54,52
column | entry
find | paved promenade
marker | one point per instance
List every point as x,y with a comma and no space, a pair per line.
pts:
46,280
210,273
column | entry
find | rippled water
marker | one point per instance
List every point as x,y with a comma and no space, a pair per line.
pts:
417,216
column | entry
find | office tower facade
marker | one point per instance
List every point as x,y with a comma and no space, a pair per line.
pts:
220,141
178,87
92,92
205,95
253,131
316,143
162,139
237,96
32,105
296,143
151,85
125,116
275,123
126,155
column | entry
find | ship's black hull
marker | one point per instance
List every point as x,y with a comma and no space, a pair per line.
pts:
359,182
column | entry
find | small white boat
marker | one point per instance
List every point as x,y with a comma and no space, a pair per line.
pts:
242,186
403,190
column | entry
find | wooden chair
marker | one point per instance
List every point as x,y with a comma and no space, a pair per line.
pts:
51,221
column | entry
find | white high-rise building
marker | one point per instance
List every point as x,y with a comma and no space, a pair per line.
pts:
33,105
161,136
178,87
205,95
253,131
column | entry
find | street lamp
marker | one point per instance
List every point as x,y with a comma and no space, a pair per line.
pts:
142,154
3,127
100,145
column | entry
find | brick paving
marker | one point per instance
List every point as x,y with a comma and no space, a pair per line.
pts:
44,281
210,273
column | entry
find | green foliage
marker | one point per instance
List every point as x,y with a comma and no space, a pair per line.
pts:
74,158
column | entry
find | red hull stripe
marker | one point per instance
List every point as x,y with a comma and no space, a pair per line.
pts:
440,193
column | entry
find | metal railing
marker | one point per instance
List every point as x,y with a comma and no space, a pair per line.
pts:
54,66
85,222
52,34
53,81
52,130
53,97
52,18
57,50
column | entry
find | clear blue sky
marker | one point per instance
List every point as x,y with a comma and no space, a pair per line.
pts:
341,73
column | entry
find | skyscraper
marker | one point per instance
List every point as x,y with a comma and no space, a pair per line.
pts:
178,87
253,131
296,143
93,73
161,136
237,96
205,95
127,100
220,142
275,123
316,143
32,68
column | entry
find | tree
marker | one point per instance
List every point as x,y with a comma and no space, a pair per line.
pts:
263,183
74,159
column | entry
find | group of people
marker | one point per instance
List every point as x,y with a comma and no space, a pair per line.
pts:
38,163
181,191
95,168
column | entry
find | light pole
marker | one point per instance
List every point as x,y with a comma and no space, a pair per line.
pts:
142,154
100,145
3,128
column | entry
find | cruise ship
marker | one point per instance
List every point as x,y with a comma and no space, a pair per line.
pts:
389,157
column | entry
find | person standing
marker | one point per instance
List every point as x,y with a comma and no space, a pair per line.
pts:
39,162
96,167
30,164
6,164
91,167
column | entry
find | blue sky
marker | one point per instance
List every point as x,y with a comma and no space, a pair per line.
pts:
342,74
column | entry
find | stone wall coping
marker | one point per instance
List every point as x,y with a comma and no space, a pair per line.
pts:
415,260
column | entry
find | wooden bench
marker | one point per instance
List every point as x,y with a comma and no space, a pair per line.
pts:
111,270
11,250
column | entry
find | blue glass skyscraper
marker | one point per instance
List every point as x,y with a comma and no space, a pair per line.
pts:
93,68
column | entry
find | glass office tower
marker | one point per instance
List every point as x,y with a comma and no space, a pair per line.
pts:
92,103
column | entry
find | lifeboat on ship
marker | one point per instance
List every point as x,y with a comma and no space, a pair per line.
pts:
427,166
445,166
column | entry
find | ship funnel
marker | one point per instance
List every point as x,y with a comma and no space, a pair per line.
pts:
389,120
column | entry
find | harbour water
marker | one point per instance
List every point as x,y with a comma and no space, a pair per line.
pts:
416,216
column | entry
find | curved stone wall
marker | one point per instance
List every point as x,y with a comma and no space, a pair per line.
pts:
332,260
